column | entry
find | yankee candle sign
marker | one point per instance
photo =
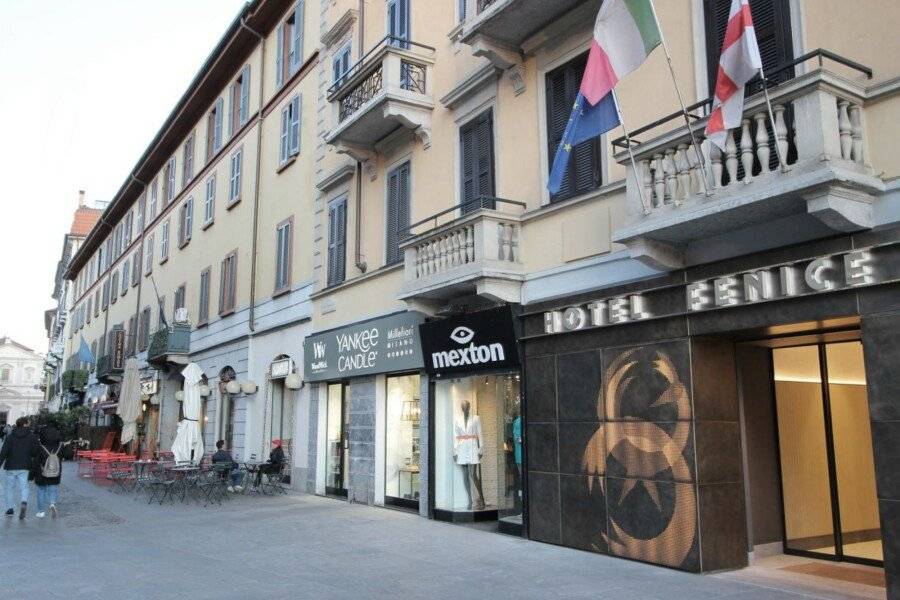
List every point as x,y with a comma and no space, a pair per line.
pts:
383,345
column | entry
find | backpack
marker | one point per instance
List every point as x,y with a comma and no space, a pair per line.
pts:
51,468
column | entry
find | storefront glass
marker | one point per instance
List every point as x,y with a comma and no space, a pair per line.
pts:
478,452
403,409
338,450
282,425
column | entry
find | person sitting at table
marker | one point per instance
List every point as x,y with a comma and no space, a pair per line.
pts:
223,457
273,465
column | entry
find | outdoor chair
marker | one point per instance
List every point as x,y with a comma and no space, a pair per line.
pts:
121,475
276,482
161,483
213,483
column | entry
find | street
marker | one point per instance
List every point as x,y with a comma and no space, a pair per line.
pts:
300,546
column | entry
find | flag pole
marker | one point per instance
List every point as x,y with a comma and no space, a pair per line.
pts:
637,175
782,161
684,112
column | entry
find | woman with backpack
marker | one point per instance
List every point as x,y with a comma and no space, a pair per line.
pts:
48,470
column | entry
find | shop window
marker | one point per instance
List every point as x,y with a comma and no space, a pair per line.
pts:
226,407
337,423
282,425
478,452
402,440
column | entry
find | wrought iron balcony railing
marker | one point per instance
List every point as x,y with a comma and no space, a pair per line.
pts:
169,342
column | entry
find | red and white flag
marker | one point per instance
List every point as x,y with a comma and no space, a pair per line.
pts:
738,64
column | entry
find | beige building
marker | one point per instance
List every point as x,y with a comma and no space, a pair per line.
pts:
409,207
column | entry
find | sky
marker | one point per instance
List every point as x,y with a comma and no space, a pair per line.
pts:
84,87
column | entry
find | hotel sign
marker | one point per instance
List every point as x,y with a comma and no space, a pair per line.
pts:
384,345
857,268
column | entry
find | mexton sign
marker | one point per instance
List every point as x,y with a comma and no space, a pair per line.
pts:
852,269
484,340
385,345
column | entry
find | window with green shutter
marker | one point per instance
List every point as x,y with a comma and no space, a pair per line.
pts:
337,241
398,209
477,162
585,171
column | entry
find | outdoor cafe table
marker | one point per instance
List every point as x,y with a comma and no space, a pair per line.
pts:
252,467
185,478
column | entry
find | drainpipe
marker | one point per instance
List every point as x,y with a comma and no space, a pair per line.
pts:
357,246
259,125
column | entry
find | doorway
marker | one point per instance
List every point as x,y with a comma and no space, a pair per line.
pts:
824,441
337,425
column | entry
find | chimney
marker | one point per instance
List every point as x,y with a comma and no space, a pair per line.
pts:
80,198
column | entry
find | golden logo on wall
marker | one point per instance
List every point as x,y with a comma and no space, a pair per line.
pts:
643,390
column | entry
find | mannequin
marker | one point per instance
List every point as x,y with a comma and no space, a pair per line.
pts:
467,451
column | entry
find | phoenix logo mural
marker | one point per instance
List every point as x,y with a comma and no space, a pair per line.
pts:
637,457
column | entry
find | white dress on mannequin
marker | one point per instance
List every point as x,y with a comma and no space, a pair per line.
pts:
467,441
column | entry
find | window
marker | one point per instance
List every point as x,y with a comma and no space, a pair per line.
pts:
117,243
398,23
340,64
131,337
141,213
154,194
5,373
290,130
136,267
94,350
337,241
214,130
126,271
240,101
228,284
289,45
179,296
185,222
772,23
144,329
209,206
164,243
97,303
283,244
461,9
203,309
148,253
477,161
584,171
397,212
89,306
161,317
187,160
169,183
106,294
114,288
234,187
126,236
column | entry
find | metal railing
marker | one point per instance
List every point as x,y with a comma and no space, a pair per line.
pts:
464,208
359,66
773,79
175,339
483,5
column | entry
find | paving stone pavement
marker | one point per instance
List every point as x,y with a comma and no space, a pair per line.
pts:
107,545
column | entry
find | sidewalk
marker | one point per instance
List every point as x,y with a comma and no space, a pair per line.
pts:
299,546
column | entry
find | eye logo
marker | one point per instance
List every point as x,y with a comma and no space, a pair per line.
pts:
462,335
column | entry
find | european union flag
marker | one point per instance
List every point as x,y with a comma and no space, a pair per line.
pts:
84,353
585,123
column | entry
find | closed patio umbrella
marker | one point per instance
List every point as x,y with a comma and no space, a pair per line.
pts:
130,401
188,437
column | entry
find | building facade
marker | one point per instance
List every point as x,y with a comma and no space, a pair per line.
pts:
56,320
20,381
624,366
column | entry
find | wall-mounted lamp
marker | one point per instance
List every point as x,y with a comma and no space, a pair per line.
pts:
293,381
233,387
249,387
204,391
179,395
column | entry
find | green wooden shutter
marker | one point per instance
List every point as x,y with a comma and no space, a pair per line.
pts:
477,162
397,212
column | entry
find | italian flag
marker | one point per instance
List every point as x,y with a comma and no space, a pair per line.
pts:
625,33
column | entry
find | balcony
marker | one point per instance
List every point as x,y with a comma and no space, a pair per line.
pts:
475,253
107,372
170,344
825,184
74,380
498,29
387,90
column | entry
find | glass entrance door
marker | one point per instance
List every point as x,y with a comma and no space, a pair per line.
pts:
337,456
825,447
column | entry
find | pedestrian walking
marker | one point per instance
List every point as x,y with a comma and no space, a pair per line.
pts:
47,470
16,458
